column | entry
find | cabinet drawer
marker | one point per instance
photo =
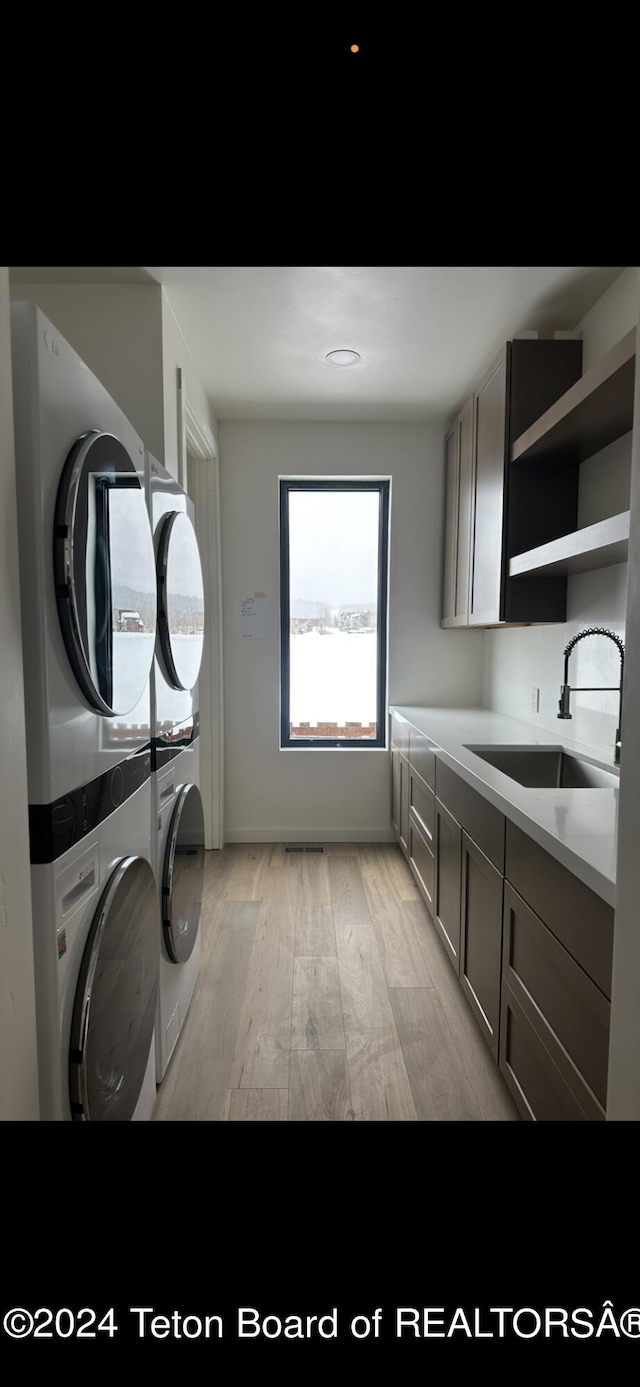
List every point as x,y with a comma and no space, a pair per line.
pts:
574,1009
400,735
448,855
537,1084
580,919
481,940
481,820
422,803
422,757
422,863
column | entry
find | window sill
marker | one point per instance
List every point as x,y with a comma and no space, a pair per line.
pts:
302,746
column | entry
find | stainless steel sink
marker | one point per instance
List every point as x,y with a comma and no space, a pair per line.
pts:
544,767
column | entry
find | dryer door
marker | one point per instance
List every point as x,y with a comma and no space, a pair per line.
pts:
115,1006
105,573
182,875
180,600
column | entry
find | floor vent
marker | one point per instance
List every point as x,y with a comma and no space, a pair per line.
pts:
304,847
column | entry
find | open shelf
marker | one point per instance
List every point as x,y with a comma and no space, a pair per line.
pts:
596,546
592,413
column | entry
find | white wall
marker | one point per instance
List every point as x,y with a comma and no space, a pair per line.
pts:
117,330
517,661
280,795
610,318
623,1096
175,353
18,1061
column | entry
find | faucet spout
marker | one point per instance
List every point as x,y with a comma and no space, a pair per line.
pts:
565,688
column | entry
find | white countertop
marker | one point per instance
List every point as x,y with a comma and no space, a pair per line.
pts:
578,827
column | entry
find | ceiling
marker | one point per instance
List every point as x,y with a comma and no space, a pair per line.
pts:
259,334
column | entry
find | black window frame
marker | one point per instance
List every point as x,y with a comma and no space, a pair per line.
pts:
361,484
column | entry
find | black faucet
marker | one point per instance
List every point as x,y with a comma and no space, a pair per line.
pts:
565,691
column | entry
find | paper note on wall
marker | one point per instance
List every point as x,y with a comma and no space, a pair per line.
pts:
255,617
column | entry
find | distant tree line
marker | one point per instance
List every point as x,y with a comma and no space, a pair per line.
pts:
326,620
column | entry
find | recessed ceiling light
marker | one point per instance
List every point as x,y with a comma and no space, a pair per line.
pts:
342,358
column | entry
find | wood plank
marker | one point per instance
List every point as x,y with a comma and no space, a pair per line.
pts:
195,1085
581,551
263,1046
399,936
218,867
341,849
249,864
317,1005
319,1090
380,1088
257,1104
438,1078
493,1100
400,873
278,856
314,917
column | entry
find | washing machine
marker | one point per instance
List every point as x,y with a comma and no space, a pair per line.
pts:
95,930
88,608
177,827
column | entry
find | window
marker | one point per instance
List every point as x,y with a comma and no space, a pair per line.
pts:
333,610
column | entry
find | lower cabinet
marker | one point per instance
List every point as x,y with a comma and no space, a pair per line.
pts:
554,1044
422,863
400,798
536,1083
404,805
396,790
448,859
536,972
481,940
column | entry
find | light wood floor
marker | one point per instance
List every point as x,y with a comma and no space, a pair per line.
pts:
325,994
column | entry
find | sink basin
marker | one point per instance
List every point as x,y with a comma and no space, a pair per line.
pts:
545,767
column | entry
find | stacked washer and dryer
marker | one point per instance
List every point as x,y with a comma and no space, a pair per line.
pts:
88,596
177,835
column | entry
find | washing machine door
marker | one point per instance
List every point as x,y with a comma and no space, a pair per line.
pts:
115,1004
182,875
104,569
180,601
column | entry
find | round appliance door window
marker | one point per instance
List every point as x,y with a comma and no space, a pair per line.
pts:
105,573
180,600
183,875
115,1006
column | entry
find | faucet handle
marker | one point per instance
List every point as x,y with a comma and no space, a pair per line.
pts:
563,705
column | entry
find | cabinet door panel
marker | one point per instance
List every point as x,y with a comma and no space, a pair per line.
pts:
573,1008
481,940
450,547
488,494
421,861
422,805
580,919
447,887
395,791
465,496
422,757
404,805
540,1090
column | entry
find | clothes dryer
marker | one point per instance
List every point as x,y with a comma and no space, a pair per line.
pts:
178,820
88,608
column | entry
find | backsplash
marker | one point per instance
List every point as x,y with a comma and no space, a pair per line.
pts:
520,660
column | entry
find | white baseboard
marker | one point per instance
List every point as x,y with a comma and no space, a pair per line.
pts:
310,835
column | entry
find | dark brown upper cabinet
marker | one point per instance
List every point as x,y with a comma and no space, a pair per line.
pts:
495,509
457,521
